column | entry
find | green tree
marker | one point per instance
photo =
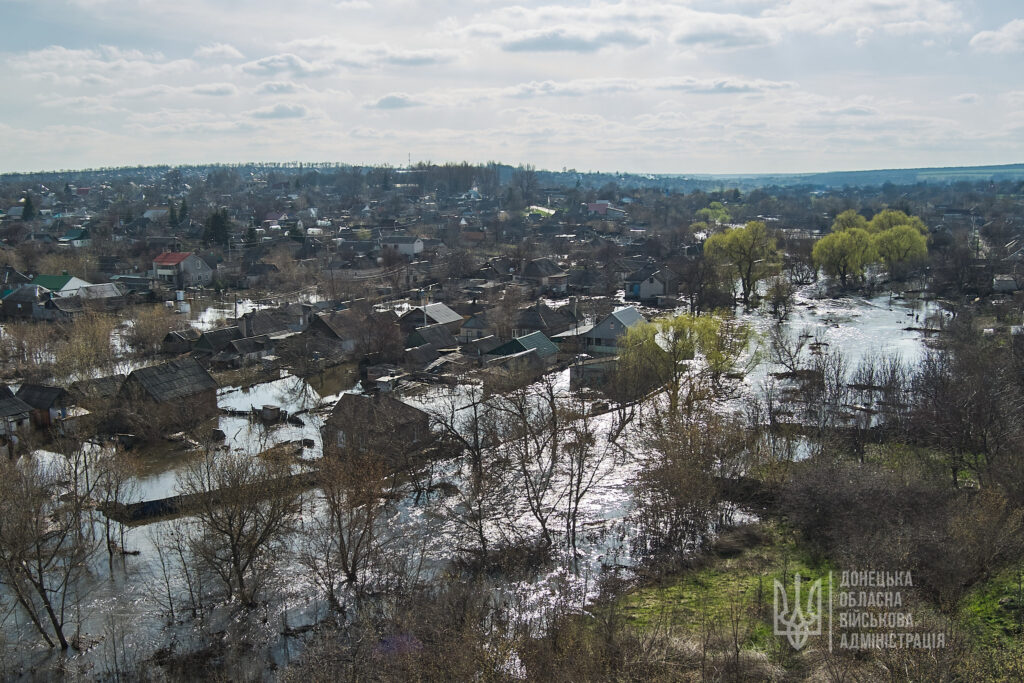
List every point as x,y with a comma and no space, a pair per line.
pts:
659,353
172,214
217,228
890,218
848,220
900,246
183,212
750,250
845,254
28,208
714,214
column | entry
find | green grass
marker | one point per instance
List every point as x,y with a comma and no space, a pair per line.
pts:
993,611
731,582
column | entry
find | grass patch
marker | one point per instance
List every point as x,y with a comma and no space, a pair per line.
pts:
734,582
993,612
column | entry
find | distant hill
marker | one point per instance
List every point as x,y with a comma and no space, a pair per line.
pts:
568,179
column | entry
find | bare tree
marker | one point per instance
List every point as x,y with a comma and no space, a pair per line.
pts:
585,454
244,505
344,540
43,550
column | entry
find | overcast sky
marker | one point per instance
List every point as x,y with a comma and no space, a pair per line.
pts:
664,86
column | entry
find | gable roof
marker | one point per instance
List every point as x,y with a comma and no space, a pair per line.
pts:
52,282
543,317
188,334
12,407
178,378
26,293
39,396
171,258
219,338
435,313
542,267
249,344
375,412
628,316
101,387
436,335
535,341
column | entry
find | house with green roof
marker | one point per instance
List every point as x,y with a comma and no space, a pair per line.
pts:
76,238
61,285
535,341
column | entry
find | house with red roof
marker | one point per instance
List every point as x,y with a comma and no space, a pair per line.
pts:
180,269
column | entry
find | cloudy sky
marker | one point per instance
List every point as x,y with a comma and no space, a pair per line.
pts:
670,86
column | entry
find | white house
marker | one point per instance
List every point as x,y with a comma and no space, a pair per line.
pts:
404,244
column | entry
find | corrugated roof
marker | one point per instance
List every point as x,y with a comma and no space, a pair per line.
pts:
169,381
628,316
12,407
52,282
171,258
436,313
535,341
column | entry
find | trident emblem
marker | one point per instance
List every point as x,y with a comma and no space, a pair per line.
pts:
804,620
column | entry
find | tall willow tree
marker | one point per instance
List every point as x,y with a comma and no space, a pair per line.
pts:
749,250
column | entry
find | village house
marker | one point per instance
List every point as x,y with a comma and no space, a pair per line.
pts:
604,336
245,351
431,314
60,285
216,340
75,238
27,301
475,327
542,318
15,414
545,273
178,393
534,342
378,424
651,283
180,341
180,269
49,404
404,245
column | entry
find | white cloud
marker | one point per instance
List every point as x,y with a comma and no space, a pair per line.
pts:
1005,40
218,51
726,32
287,63
215,89
967,98
280,111
395,101
106,62
566,40
277,88
346,53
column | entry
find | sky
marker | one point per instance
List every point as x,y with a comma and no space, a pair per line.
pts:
661,86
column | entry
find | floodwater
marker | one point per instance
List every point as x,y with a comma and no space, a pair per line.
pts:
124,605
